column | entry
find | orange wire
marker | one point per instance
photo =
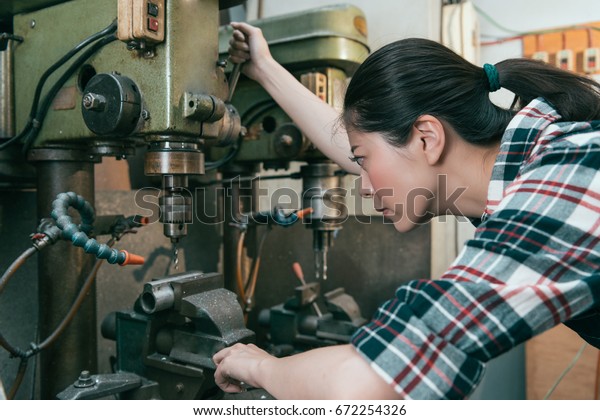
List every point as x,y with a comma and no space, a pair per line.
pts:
238,272
304,212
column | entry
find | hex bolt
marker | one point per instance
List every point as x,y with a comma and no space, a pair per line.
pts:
93,102
85,380
145,115
179,388
286,140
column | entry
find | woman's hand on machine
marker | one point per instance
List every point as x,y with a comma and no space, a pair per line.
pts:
248,45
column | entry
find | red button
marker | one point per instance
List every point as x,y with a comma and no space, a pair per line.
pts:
153,24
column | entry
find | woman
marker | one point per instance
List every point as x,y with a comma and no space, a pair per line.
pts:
418,116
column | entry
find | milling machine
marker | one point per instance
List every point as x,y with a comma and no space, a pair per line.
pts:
154,74
137,74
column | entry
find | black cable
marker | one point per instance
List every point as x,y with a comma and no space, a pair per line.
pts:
41,114
258,109
87,284
18,379
74,308
14,351
36,348
233,151
17,263
38,91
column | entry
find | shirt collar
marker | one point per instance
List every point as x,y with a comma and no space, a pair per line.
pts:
516,145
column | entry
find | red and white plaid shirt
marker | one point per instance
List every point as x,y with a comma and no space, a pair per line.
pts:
534,262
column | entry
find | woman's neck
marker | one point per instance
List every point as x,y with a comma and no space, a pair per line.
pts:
469,173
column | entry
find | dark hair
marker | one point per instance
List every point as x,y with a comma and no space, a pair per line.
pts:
413,77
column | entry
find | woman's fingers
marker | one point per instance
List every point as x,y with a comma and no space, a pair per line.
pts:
239,35
220,355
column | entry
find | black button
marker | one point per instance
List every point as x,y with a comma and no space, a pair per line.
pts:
152,9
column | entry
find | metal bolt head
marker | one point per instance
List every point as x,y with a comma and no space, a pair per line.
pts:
93,102
179,388
145,114
85,380
286,140
32,23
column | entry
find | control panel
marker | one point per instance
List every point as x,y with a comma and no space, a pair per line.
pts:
142,20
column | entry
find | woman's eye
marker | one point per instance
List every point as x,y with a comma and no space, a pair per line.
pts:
357,159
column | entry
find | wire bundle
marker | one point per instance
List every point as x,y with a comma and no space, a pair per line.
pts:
38,112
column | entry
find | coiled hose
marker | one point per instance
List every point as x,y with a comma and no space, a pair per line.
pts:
78,234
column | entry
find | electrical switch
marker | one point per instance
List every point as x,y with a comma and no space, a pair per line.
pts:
591,60
564,60
153,9
153,24
142,20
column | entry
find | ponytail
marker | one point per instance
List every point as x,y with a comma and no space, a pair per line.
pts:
575,97
413,77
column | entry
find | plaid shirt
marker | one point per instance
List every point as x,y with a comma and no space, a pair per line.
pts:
533,263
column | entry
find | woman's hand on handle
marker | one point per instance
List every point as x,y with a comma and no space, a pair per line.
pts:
248,45
317,119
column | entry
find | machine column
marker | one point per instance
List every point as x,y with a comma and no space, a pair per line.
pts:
240,197
62,270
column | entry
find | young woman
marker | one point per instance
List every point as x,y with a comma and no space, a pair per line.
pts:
418,116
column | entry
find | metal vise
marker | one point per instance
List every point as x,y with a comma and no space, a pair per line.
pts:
308,320
178,323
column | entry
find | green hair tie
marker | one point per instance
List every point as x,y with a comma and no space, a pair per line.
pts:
492,75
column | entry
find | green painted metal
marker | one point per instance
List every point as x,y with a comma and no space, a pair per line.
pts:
324,40
326,36
185,62
13,7
256,108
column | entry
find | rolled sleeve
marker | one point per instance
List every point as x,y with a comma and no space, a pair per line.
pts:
416,362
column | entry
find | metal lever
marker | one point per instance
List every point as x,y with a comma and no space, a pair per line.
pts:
233,79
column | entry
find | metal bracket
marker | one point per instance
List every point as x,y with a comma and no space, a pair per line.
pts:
97,386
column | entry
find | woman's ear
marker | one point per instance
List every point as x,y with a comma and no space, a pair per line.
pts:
430,138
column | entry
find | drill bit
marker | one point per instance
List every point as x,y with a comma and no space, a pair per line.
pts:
317,264
321,264
324,257
175,256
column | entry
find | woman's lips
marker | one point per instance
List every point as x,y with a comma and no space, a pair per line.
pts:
385,212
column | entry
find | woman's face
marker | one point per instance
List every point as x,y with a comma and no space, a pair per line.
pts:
400,181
